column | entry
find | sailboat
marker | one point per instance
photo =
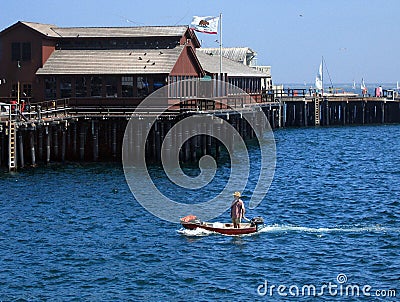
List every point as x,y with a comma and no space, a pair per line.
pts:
364,89
319,84
319,79
354,85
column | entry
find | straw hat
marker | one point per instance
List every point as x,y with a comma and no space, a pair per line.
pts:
237,194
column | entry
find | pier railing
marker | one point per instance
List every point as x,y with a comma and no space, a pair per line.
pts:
175,105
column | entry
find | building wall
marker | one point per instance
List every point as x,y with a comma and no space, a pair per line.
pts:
24,70
185,65
42,47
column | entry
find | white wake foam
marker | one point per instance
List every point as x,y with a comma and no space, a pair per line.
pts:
346,229
291,228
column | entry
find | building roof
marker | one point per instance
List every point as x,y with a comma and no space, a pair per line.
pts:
237,54
210,64
45,29
54,31
116,61
126,32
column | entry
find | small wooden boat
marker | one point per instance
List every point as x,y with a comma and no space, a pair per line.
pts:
191,222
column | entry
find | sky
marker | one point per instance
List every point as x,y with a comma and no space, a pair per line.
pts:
357,38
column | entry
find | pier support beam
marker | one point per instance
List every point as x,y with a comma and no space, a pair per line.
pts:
40,143
55,144
114,141
82,134
63,144
32,147
21,149
74,141
48,141
95,134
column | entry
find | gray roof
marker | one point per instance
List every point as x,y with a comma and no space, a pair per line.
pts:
210,64
104,32
237,54
45,29
136,61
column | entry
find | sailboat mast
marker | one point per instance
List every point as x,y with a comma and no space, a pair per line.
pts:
322,75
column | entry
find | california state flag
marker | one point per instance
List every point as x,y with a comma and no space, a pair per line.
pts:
208,25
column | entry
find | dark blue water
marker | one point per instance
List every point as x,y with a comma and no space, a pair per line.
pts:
75,232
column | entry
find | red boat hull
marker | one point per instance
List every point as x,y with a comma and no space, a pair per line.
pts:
222,228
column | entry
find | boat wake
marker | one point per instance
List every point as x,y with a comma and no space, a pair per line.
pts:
291,228
195,233
342,229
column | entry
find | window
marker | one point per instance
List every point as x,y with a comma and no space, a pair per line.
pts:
111,87
50,88
15,51
158,82
26,51
14,90
96,84
127,86
21,51
80,87
142,86
65,87
26,90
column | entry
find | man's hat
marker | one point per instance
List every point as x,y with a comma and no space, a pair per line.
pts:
237,194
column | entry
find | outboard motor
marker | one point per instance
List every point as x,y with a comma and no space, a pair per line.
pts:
258,222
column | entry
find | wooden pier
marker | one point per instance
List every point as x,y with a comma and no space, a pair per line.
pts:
55,131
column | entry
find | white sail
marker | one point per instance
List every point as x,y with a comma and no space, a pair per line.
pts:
318,78
364,89
362,84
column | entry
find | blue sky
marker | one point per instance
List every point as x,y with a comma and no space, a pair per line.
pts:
358,38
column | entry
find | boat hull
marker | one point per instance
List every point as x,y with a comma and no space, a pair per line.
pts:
221,228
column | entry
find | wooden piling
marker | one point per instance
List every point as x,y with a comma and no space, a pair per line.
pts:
82,139
48,142
74,140
63,144
55,143
21,149
95,136
32,146
114,140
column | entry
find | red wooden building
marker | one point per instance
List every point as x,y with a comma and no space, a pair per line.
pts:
94,64
106,65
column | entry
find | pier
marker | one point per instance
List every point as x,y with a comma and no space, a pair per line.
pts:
58,131
68,93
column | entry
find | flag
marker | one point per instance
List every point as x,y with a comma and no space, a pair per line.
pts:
318,78
208,25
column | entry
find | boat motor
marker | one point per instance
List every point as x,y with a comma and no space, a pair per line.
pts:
258,222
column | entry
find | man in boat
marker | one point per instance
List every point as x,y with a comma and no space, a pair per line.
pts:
237,210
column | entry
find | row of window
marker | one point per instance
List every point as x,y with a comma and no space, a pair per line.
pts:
25,90
93,86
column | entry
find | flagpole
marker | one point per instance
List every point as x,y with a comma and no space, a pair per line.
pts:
220,44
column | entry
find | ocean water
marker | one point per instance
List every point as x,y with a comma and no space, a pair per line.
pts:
76,233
